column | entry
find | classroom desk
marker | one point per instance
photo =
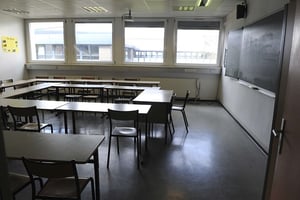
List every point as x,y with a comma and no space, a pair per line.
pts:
17,83
40,104
26,90
74,107
97,81
160,110
100,87
73,87
55,147
112,88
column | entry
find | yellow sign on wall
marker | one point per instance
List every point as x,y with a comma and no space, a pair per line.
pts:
9,44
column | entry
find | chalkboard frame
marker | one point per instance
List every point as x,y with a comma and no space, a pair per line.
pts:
232,53
259,62
262,50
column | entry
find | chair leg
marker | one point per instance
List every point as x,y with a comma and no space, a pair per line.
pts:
166,132
172,123
108,153
93,189
138,152
118,148
185,121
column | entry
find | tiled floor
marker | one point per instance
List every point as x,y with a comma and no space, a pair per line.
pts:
215,161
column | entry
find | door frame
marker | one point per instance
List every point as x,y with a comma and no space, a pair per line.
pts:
280,98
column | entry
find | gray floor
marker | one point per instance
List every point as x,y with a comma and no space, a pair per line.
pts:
216,160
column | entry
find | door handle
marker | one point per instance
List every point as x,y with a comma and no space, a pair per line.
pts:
280,135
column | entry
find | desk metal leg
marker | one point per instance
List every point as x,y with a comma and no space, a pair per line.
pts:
66,122
57,93
97,175
166,133
73,121
147,131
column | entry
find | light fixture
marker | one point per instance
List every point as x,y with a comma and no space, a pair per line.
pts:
203,3
16,11
95,9
184,8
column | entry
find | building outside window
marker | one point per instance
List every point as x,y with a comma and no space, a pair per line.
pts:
93,41
197,42
47,41
144,42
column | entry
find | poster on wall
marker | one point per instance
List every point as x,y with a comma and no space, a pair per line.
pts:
9,44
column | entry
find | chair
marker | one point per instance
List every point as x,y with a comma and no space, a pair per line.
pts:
27,119
181,108
88,94
1,89
61,180
124,124
4,118
18,182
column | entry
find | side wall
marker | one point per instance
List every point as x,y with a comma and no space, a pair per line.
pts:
12,64
252,109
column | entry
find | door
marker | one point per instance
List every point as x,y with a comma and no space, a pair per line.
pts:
285,170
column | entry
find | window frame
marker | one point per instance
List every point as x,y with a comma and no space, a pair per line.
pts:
118,38
28,41
74,53
199,65
145,21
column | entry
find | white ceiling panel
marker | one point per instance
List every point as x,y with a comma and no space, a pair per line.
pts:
115,8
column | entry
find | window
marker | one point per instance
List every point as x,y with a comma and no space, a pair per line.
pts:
197,42
144,42
93,41
47,41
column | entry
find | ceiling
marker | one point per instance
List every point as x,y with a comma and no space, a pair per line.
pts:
115,8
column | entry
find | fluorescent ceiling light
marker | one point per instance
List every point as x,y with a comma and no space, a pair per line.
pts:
95,9
16,11
184,8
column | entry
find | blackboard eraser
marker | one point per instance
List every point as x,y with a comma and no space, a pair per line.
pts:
254,88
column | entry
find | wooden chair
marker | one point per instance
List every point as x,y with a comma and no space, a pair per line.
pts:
88,94
18,182
52,91
27,119
124,124
4,118
181,108
62,181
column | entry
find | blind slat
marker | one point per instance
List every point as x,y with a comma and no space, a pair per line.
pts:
145,24
207,25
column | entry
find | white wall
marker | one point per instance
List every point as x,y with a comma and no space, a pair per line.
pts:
12,64
251,108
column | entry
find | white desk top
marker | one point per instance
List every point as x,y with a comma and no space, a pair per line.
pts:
50,147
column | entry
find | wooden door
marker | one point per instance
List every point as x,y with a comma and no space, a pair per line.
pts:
285,170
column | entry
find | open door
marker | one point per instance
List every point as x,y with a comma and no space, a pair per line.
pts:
283,177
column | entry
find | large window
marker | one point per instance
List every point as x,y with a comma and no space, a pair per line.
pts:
47,41
144,42
197,42
93,41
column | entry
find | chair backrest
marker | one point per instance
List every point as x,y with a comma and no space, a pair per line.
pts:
59,77
51,170
25,114
125,116
42,77
186,98
8,80
88,77
3,115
